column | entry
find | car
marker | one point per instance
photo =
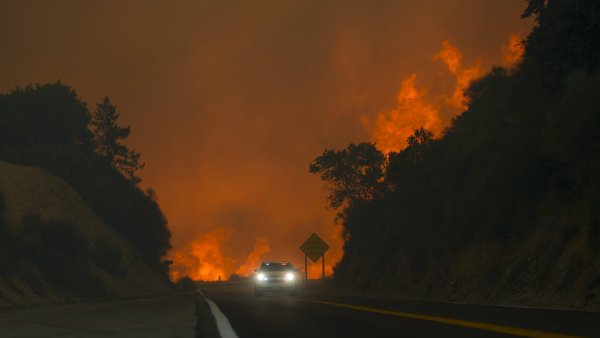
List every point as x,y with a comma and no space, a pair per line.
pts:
275,276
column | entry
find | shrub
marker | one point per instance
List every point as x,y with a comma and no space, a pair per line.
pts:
61,253
6,241
108,257
186,284
2,211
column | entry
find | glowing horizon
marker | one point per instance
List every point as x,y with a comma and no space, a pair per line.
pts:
228,104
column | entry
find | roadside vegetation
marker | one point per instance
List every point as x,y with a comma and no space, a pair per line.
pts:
503,207
52,246
48,126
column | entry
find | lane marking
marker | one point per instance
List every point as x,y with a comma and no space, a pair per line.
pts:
516,331
223,325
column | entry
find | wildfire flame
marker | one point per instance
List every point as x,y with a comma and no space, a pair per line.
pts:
452,57
261,247
392,128
512,52
315,270
202,259
416,109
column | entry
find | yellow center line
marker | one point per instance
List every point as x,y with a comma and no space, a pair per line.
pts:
516,331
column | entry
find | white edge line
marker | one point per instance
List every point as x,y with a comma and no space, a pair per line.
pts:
223,325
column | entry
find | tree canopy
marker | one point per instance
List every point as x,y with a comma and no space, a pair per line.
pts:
41,115
49,126
355,173
107,138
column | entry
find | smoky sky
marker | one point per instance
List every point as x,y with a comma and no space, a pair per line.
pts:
229,101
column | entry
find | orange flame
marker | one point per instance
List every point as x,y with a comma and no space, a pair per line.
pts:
412,111
452,57
261,247
315,270
512,52
415,109
202,259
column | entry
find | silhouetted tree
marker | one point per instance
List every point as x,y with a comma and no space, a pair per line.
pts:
355,173
108,137
412,166
42,116
419,144
564,38
48,126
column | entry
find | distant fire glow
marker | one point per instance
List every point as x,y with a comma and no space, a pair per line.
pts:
203,259
228,112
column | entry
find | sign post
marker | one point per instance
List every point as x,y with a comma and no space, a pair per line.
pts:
305,269
314,248
323,275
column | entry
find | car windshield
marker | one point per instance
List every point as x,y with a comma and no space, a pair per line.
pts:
276,266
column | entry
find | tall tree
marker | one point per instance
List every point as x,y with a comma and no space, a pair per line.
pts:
108,136
355,173
564,38
50,115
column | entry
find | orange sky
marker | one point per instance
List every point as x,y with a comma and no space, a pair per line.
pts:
230,101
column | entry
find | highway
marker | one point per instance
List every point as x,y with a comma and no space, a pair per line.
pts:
230,310
317,313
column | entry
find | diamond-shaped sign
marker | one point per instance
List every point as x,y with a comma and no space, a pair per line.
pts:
314,247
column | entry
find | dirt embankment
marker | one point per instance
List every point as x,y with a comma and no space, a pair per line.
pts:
553,269
58,249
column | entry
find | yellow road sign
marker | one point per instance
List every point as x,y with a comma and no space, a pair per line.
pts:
314,247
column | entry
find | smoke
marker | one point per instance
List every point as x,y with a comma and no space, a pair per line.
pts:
228,111
203,258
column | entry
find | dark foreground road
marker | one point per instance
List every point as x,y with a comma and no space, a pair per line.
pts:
231,310
315,314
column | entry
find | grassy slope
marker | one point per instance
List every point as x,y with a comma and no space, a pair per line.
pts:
546,270
31,190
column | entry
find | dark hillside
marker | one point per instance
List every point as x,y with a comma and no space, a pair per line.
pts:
504,207
49,127
53,247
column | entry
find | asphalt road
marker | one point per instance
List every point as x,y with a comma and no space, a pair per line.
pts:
315,313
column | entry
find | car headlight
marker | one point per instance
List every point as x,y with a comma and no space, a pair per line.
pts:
289,276
260,277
